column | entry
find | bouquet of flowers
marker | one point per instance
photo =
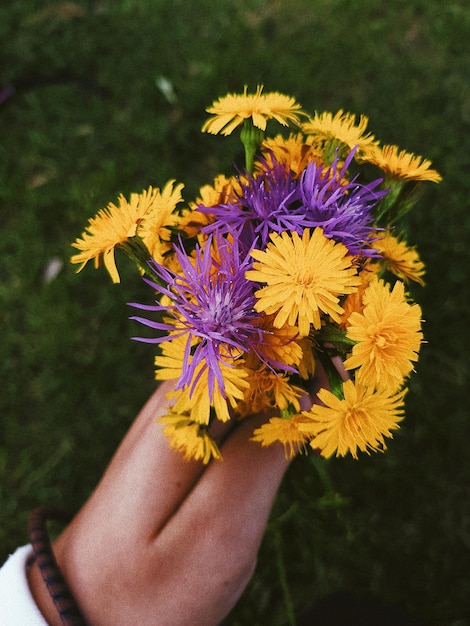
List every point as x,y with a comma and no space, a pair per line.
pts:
291,263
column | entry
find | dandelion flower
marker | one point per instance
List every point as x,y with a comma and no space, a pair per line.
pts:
190,438
292,152
388,335
111,227
193,398
233,109
359,421
221,191
157,225
280,346
268,390
354,301
398,163
192,220
305,276
400,259
341,127
307,364
282,430
115,224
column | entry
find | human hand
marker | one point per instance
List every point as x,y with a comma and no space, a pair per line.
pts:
164,541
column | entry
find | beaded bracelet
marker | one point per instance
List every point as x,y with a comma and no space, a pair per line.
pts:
58,589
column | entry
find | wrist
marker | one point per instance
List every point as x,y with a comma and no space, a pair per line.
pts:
45,578
42,597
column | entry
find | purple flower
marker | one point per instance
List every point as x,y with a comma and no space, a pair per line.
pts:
342,210
212,303
275,201
268,202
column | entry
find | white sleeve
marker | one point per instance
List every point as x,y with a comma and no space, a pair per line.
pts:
17,606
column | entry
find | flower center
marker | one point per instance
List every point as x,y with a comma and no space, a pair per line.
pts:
355,417
219,313
380,341
382,338
304,276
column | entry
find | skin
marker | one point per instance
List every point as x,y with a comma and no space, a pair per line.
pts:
162,540
166,541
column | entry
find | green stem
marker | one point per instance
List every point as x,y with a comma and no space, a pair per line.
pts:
291,621
251,137
136,250
334,379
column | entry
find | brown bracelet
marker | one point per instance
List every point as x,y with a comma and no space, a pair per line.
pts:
58,589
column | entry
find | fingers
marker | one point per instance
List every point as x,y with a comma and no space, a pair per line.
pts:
338,363
144,483
146,474
156,523
214,538
241,487
106,543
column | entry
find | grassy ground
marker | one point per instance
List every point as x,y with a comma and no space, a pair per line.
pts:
85,121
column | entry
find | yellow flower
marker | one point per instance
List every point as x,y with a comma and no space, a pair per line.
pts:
304,276
115,224
192,220
190,438
157,224
359,421
400,164
268,390
388,332
284,431
354,301
193,398
233,109
340,127
279,345
401,259
221,191
307,363
292,152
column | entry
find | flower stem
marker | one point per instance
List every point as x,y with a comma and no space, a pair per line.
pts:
136,250
251,137
291,621
334,379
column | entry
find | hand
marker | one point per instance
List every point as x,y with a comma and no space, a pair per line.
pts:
164,541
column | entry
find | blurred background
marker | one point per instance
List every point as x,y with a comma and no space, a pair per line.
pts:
100,98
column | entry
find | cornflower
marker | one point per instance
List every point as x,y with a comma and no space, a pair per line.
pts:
342,209
210,303
266,203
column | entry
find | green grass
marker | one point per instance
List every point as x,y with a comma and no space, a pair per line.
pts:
88,122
